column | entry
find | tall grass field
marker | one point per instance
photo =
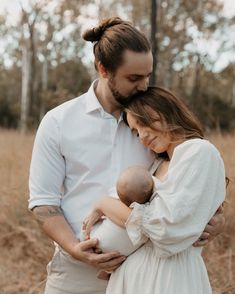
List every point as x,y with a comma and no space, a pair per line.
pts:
25,250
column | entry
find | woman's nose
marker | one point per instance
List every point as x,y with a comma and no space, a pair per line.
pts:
143,135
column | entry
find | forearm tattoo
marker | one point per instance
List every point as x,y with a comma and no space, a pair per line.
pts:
42,213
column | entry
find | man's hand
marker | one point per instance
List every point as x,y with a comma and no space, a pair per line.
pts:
213,228
56,227
85,252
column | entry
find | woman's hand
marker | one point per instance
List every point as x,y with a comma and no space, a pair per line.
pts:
89,221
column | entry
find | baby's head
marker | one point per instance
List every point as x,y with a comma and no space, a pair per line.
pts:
135,184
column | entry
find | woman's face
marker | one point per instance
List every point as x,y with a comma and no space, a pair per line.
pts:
155,138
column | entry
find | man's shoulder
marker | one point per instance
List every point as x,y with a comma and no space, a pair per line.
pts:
68,109
70,104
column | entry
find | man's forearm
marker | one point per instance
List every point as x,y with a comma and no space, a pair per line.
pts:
56,227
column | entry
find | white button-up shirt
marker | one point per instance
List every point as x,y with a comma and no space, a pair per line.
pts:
78,154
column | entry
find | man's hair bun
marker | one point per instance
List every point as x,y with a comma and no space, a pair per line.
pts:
96,33
93,35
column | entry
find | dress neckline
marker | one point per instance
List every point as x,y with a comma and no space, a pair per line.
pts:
155,166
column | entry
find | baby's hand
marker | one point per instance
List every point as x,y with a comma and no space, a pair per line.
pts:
89,221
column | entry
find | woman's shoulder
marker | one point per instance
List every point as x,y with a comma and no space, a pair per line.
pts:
197,148
197,144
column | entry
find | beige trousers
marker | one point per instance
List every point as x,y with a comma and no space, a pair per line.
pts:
66,275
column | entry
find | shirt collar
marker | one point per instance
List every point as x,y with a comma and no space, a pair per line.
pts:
92,103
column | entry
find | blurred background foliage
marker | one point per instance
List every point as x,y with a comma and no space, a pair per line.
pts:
44,61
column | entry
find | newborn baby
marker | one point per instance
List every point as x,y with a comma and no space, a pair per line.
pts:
135,184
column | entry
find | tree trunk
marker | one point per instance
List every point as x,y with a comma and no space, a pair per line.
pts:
153,78
197,83
44,88
233,95
24,111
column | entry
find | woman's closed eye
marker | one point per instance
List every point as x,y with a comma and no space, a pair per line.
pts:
134,132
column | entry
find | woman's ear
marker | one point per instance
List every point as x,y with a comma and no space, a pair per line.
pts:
102,70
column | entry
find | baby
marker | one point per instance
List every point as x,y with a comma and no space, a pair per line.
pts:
135,184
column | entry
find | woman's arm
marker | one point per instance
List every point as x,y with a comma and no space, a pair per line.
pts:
187,199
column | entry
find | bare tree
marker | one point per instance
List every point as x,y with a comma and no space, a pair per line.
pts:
154,39
28,66
24,109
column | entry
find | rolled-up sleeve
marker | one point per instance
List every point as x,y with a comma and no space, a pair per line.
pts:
47,169
185,201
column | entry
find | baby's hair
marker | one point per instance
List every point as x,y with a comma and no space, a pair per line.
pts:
135,184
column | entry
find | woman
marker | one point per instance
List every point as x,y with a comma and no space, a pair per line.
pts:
190,186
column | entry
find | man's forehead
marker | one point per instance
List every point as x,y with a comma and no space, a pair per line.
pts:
137,63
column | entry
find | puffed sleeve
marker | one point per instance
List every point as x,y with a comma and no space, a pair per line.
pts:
47,169
186,200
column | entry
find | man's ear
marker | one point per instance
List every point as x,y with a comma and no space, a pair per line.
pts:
102,70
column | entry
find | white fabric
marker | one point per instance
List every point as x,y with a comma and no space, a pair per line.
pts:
191,192
111,236
67,275
78,154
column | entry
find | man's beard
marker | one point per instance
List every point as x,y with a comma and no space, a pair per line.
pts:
121,99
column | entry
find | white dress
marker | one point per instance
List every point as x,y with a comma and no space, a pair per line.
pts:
187,198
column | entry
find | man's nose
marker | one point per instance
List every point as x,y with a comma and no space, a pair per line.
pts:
143,85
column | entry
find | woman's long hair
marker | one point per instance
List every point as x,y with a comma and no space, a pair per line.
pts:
157,102
179,119
181,123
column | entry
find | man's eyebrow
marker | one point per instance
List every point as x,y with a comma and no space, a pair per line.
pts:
135,75
139,76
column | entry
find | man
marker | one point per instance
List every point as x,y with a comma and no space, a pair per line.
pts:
80,149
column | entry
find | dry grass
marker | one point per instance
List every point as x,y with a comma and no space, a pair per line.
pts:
25,251
220,254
